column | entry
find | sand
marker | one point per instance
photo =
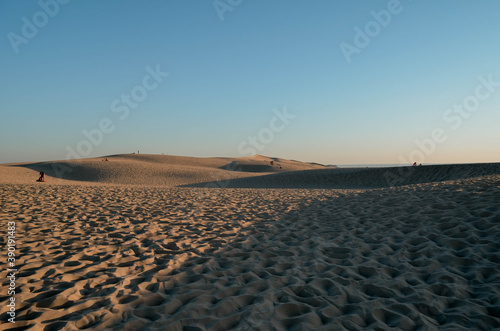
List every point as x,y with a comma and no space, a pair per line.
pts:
98,252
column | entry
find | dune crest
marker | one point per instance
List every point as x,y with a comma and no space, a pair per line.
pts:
245,172
151,170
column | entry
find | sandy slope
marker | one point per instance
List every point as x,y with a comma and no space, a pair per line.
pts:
156,170
360,178
248,172
95,255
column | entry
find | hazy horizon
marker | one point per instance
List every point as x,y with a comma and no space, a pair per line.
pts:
371,82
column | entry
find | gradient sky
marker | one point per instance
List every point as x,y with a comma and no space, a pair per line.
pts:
227,76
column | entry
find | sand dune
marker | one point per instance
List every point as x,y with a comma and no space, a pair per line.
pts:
248,172
156,170
362,178
96,254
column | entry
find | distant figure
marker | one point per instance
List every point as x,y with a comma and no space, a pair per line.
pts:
42,177
414,164
272,162
137,152
106,160
420,165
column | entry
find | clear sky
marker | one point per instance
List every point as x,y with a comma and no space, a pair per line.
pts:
365,81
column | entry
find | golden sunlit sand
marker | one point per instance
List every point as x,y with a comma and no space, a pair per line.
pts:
175,243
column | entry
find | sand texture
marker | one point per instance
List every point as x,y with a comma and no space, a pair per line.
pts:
150,170
97,254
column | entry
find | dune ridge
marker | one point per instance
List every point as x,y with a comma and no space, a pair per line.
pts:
104,255
247,172
363,178
152,170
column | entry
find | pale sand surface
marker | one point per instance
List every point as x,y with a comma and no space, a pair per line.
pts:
97,254
151,170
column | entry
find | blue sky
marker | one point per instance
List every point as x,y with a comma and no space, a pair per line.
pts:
225,78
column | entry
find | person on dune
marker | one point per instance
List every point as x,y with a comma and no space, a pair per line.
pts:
42,177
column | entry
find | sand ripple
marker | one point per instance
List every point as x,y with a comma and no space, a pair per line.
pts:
113,257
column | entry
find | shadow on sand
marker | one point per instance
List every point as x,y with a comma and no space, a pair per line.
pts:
359,178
